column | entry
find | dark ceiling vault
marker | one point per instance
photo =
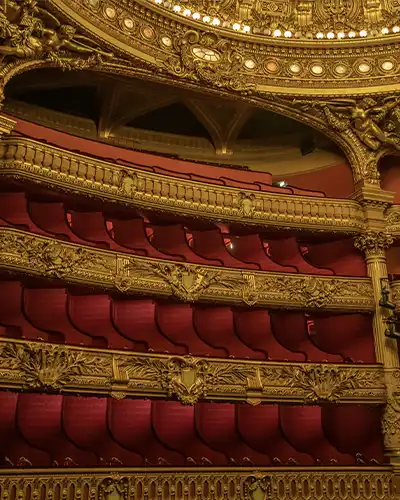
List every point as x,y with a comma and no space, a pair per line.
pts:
113,102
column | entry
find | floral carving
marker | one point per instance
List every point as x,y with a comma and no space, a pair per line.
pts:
47,366
323,382
373,242
188,378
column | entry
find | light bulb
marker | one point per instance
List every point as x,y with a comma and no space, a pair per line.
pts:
320,35
206,19
216,21
385,31
277,33
236,26
288,34
196,15
187,12
363,33
340,34
352,34
396,29
246,29
177,8
330,35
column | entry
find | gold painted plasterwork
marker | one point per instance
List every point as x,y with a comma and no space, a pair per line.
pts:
50,367
25,159
35,255
350,483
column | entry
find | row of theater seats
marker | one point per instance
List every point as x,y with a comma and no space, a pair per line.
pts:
100,320
171,238
45,430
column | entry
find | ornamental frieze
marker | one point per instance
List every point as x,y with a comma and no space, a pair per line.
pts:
157,35
27,253
54,368
22,158
355,483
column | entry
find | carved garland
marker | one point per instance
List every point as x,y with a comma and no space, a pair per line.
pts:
49,258
48,367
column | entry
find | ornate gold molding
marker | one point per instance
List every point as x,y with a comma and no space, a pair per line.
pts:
373,242
351,483
51,367
393,221
45,257
22,158
154,34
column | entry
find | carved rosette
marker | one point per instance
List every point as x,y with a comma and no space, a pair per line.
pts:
114,487
373,243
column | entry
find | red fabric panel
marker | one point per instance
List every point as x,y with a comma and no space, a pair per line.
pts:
14,211
11,316
215,325
260,427
135,319
91,315
339,256
311,439
254,328
176,323
85,422
290,329
13,446
249,249
51,217
210,245
216,424
40,423
174,424
171,240
349,335
335,181
89,431
286,252
130,422
354,429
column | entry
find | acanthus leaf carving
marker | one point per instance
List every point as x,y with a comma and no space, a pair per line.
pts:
46,366
373,242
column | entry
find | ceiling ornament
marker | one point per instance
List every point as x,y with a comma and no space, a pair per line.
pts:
209,59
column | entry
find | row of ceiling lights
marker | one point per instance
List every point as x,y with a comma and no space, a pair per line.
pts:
276,33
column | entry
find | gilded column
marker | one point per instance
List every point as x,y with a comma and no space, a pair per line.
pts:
374,242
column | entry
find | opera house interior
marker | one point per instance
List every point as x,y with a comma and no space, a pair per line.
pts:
199,249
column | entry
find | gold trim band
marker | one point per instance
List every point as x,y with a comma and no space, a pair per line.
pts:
46,257
38,366
351,483
23,158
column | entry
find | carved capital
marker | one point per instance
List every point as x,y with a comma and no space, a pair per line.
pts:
373,242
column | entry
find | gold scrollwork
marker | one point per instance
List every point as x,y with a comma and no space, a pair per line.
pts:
41,256
48,367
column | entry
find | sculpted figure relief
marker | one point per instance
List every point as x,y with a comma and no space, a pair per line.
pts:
27,31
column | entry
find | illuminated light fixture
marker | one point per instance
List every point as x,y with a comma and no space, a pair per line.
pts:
246,29
236,26
288,34
158,1
330,35
352,34
396,29
319,35
340,34
187,12
277,33
196,15
363,33
206,19
216,21
385,31
177,8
